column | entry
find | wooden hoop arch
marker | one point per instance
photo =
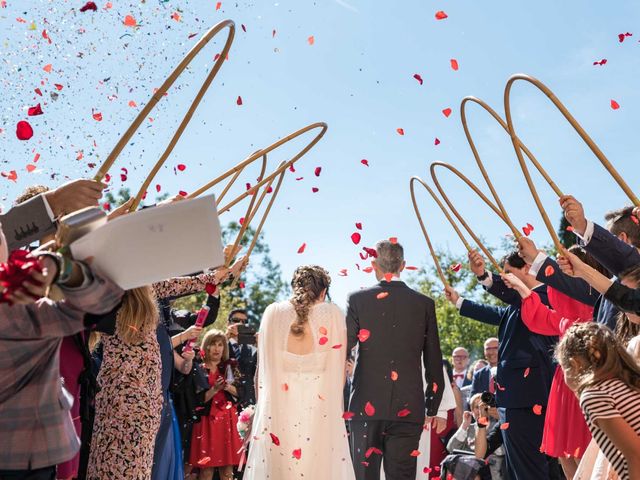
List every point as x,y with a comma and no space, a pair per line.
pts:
157,96
477,191
436,260
577,127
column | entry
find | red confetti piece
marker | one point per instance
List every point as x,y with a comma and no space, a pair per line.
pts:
369,409
549,271
273,33
435,387
244,29
239,100
317,171
106,206
601,62
348,415
388,276
355,238
158,188
129,21
285,387
323,340
526,230
97,116
393,240
47,68
311,40
526,372
363,335
371,252
483,421
323,330
622,36
382,295
315,189
394,375
342,272
37,110
182,193
504,426
569,228
454,64
132,104
410,267
415,453
400,131
123,177
89,6
404,413
24,130
615,105
176,16
182,167
38,91
418,78
297,453
58,86
437,141
302,247
337,346
275,440
446,112
367,269
456,267
30,167
45,35
210,288
365,162
371,450
12,175
537,409
359,225
440,15
218,5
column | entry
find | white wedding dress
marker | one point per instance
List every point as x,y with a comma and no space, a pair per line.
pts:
298,432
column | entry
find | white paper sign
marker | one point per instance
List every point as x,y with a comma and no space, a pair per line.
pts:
155,243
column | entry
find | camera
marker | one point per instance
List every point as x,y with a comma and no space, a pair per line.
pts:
488,399
246,335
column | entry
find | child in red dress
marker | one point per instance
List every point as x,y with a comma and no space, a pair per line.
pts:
215,440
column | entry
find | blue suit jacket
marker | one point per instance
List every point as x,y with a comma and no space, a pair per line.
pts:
519,350
480,381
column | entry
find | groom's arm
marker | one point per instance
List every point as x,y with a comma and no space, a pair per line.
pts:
432,359
353,326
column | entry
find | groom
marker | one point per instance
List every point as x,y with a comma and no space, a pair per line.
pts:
394,329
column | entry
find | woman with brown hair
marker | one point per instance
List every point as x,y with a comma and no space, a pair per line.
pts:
215,442
298,429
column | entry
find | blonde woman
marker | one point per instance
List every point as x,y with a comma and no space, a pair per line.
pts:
215,442
298,430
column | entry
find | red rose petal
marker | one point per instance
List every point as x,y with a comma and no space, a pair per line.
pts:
89,6
158,188
410,267
394,375
323,330
323,340
483,421
549,271
275,440
382,295
355,238
182,193
297,453
24,130
526,372
97,116
388,276
363,335
504,426
569,228
365,162
129,21
239,100
33,111
440,15
218,5
317,171
415,453
367,269
358,225
393,240
435,387
337,346
446,112
47,68
456,267
400,131
454,64
405,412
315,189
371,450
615,105
181,167
601,62
369,409
58,86
418,78
210,288
302,247
348,415
537,409
436,141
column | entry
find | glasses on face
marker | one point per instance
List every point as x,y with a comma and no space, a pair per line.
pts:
491,348
461,357
237,320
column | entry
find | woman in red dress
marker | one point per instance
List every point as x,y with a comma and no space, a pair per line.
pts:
215,441
566,435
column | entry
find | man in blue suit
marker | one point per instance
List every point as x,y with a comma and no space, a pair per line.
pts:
482,378
525,369
616,248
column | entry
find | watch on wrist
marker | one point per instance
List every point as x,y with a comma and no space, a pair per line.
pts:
484,276
58,260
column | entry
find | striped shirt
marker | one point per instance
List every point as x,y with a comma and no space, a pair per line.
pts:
611,399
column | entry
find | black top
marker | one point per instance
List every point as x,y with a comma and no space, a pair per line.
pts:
402,332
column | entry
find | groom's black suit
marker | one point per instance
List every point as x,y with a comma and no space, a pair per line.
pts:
387,399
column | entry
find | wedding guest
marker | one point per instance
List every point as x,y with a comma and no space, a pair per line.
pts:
245,354
520,350
215,441
460,357
599,369
34,408
481,378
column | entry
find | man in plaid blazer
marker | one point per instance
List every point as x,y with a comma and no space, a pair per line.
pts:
36,431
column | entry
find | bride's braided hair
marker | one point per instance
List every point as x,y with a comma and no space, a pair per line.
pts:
307,284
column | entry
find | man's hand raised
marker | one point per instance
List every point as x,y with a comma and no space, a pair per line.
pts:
74,195
527,249
451,294
574,213
476,263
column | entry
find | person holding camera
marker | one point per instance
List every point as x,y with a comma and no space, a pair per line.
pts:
242,349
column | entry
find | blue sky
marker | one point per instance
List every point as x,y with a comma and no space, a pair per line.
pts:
358,78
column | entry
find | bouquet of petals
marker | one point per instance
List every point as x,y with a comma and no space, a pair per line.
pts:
16,271
244,421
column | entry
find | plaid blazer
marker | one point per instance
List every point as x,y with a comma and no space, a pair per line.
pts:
35,424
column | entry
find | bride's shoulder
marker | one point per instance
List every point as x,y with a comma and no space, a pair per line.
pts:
329,309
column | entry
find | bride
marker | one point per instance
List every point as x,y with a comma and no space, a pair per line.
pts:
298,431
